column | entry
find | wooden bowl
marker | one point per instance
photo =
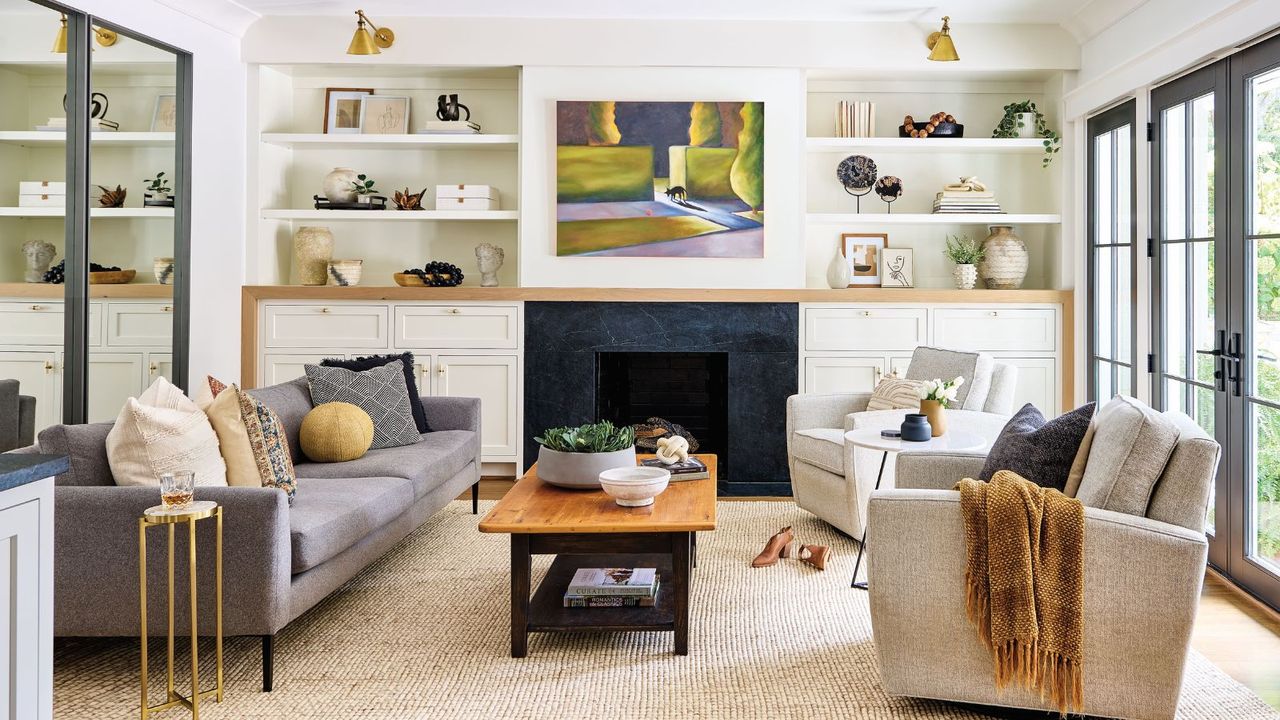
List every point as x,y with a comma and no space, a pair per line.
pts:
941,130
113,277
408,280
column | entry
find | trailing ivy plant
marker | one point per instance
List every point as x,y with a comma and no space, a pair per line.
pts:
1012,122
599,437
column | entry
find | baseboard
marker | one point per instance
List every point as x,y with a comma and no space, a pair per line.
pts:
1244,595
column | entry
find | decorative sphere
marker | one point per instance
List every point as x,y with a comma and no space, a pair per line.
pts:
336,432
856,172
889,187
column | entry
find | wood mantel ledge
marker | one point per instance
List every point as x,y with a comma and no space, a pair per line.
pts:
509,294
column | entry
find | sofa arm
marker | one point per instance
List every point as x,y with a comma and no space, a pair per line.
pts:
452,413
936,470
96,561
1141,589
806,412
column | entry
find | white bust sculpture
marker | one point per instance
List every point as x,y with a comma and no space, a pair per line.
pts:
489,257
39,254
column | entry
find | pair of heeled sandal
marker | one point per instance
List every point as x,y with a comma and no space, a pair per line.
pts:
783,545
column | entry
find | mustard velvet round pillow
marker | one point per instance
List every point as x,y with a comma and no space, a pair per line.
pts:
336,432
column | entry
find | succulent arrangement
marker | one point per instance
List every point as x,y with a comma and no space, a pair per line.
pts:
601,437
438,273
1011,123
962,250
112,198
409,201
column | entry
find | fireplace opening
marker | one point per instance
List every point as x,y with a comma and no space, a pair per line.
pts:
686,388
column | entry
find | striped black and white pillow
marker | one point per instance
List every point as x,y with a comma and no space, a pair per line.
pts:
379,391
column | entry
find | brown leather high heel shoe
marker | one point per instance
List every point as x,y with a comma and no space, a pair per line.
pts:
815,555
780,545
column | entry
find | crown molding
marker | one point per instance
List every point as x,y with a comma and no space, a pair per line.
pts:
1098,15
226,15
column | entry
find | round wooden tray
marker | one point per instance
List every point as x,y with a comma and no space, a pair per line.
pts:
408,280
114,277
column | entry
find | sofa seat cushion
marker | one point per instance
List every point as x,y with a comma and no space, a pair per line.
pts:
820,447
428,464
332,514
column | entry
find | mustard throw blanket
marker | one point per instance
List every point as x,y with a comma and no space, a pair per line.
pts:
1025,583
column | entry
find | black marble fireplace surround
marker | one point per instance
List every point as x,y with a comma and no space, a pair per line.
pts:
562,340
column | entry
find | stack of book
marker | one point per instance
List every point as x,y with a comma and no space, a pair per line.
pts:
612,587
691,469
59,124
856,119
965,201
450,127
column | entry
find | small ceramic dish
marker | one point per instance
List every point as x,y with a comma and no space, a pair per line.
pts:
634,486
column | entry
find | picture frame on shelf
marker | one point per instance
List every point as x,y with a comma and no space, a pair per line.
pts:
342,109
165,116
863,252
384,115
897,268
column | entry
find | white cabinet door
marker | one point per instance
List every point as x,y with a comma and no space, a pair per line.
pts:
996,330
159,365
842,374
864,329
424,366
344,325
135,324
37,375
24,655
1037,383
493,379
113,379
281,368
40,322
469,327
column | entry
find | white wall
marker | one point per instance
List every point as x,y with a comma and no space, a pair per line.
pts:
781,91
218,172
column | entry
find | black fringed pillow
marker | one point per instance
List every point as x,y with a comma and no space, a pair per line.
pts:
361,364
1039,450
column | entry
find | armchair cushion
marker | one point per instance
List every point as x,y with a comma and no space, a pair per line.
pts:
821,447
928,363
1037,449
1131,446
1181,495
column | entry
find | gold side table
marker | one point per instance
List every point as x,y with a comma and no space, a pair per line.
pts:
160,515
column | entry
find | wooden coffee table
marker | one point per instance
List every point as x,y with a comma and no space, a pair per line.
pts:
585,528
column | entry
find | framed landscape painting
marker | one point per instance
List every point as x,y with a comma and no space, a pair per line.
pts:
660,179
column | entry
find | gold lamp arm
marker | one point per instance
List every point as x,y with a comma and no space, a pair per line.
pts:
383,37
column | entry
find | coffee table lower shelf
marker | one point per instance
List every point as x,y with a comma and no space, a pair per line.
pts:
547,612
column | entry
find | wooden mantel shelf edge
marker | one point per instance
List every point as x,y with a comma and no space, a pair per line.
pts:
472,294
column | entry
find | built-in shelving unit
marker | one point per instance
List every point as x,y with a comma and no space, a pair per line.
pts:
393,215
43,138
393,142
55,212
56,292
926,145
934,219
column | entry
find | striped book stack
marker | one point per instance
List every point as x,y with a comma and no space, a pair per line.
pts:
965,201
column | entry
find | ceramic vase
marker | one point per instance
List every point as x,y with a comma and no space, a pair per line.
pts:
1005,264
338,185
915,428
579,471
966,276
163,267
937,415
1026,124
838,273
345,273
312,250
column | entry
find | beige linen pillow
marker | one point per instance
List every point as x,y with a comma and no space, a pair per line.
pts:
1131,444
233,439
162,431
895,393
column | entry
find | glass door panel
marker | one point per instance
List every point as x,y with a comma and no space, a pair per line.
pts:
1111,247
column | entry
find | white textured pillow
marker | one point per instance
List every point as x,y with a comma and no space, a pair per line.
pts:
1131,445
162,431
895,394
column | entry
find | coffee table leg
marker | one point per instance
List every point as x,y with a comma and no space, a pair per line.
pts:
693,546
519,595
862,544
681,558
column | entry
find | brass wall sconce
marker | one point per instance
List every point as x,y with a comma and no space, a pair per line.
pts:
941,49
362,43
106,38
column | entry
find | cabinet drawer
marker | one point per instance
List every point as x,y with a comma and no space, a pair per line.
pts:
316,326
463,326
872,328
842,374
139,324
996,329
282,368
41,323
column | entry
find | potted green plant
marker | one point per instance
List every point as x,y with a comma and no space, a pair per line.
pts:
1024,120
158,193
574,457
966,254
362,186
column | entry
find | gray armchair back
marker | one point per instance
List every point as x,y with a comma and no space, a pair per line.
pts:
17,417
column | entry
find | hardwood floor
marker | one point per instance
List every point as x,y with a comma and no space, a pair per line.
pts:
1236,632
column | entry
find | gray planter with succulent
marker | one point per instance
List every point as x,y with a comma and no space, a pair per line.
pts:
966,254
574,457
1023,120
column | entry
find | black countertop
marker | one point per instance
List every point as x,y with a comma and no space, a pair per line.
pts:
20,469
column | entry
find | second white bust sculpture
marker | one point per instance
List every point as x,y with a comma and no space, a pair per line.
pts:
489,257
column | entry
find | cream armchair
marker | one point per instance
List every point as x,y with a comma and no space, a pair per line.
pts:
834,480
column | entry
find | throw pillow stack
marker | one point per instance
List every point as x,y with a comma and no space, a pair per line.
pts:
162,431
250,436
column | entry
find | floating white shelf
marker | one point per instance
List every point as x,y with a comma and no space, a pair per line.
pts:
933,219
934,145
42,138
386,142
393,215
128,212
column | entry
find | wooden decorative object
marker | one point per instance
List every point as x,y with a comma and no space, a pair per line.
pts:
409,201
409,280
112,198
113,277
940,124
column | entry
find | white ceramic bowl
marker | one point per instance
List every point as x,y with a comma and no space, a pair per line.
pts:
634,486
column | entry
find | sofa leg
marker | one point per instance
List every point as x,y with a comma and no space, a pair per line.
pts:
268,655
475,498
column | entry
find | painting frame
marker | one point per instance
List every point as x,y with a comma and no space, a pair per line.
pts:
385,107
164,118
897,268
871,275
332,114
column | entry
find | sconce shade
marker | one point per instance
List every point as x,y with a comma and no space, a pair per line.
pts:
362,43
106,38
60,40
941,48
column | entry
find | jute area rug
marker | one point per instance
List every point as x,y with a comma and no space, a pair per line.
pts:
424,633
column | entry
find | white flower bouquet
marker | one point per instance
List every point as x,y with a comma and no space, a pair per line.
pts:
944,393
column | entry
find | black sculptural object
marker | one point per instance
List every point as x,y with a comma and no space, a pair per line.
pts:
449,109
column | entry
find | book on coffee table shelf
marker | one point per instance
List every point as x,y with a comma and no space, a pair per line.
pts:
691,469
612,601
613,581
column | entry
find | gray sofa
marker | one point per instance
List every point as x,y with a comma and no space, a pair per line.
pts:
17,417
278,560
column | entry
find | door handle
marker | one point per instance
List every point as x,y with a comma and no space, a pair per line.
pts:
1219,355
1233,359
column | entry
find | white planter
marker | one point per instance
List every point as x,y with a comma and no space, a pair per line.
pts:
338,185
580,471
1028,125
966,276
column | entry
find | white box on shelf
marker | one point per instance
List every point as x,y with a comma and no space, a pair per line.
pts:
443,203
42,187
466,191
34,201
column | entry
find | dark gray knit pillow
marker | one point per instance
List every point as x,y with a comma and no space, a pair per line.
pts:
379,391
1037,449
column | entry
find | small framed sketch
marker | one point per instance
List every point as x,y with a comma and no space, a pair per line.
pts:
342,109
384,115
165,117
896,269
863,252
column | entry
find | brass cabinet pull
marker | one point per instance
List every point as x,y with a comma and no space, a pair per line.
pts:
866,313
154,368
454,311
37,308
48,367
440,369
324,309
995,313
166,308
